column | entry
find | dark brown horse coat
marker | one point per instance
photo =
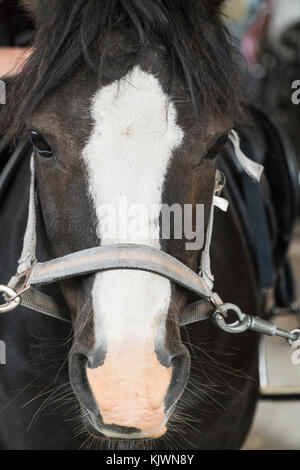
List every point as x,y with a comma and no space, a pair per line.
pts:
131,101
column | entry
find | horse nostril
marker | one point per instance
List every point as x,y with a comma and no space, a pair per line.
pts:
181,363
77,373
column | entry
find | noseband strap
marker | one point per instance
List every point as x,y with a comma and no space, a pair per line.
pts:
124,256
99,259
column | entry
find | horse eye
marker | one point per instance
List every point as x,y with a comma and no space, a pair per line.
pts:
40,144
217,147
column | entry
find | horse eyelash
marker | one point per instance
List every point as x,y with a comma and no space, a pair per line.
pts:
218,146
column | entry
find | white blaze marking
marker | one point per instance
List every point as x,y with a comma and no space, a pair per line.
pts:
127,156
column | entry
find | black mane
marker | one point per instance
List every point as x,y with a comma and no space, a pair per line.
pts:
195,37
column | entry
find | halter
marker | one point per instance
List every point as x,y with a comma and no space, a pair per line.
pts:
22,288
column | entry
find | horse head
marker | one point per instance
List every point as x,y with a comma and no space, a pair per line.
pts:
127,107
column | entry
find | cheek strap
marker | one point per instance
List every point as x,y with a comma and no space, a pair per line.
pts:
255,171
28,256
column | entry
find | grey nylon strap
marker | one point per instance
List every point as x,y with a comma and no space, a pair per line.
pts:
36,300
117,257
40,302
124,256
196,312
28,256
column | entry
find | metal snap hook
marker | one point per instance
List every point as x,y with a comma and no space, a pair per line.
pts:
242,324
13,299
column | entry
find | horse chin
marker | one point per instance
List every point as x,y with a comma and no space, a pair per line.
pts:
93,429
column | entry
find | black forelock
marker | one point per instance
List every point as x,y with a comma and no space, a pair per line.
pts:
198,44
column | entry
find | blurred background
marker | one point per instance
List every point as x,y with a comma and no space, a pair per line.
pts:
268,35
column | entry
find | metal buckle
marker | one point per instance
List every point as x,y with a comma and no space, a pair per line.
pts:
13,302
